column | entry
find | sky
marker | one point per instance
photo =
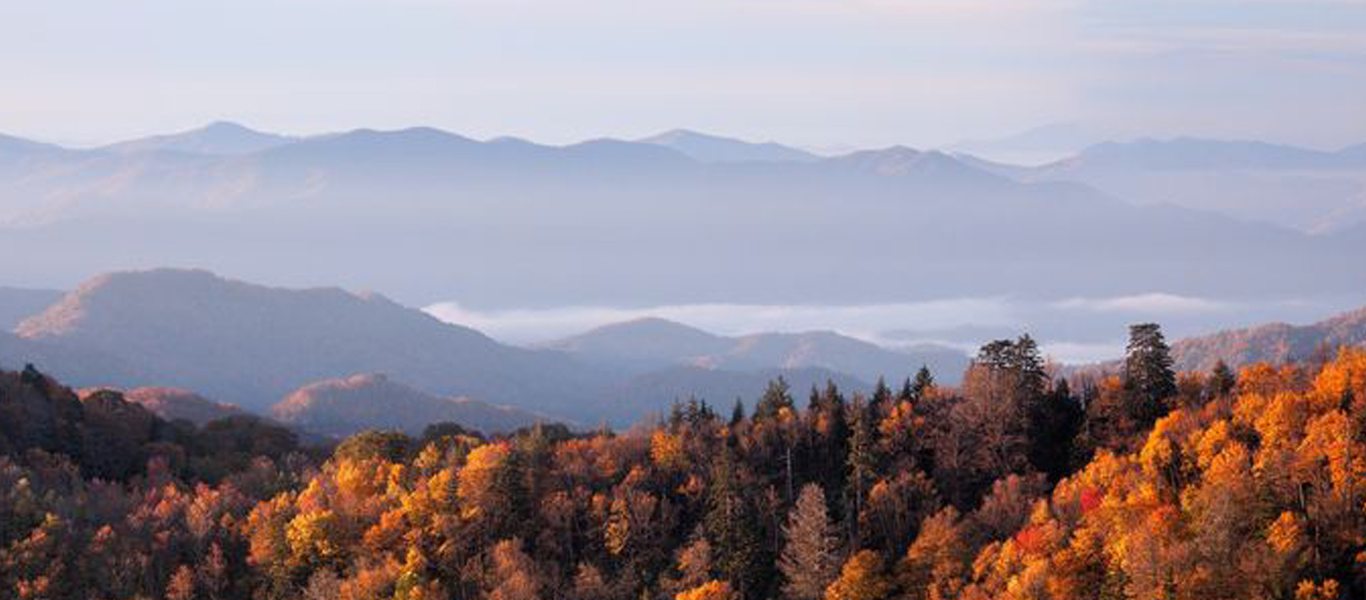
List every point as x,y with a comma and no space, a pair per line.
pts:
823,74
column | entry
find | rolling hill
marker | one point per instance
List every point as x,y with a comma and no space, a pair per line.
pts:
652,344
176,404
344,406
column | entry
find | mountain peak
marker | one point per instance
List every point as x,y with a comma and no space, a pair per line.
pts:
705,147
215,138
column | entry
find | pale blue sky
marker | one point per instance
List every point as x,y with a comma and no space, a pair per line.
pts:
820,73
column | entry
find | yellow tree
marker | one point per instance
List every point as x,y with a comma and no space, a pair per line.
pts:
860,579
711,590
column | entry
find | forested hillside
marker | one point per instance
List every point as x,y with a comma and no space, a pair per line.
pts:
1016,484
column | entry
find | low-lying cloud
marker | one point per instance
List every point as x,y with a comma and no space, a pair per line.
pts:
1072,330
525,326
1155,303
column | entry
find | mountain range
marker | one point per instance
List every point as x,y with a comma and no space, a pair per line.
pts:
328,352
188,344
429,216
650,344
1309,190
252,345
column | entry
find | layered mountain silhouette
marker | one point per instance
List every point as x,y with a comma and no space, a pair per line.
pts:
192,335
344,406
251,345
1309,190
651,344
611,222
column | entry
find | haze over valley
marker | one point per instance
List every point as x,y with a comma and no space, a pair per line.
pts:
531,242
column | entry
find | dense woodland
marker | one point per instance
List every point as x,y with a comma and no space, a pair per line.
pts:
1020,483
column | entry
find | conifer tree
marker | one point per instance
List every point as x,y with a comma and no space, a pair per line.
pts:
924,380
733,529
881,398
777,396
1148,375
862,460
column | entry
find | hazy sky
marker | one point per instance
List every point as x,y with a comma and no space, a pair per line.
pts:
821,73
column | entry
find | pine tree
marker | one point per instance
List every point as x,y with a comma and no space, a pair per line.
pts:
776,397
924,381
881,398
862,459
809,561
1148,375
906,394
737,413
733,529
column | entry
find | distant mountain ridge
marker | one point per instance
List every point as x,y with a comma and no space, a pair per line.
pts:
219,137
1310,190
653,343
1274,343
710,148
625,219
193,335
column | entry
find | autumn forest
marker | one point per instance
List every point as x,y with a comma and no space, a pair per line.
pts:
1023,482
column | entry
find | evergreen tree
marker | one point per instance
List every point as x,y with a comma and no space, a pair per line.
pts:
733,529
1148,375
1055,424
831,428
862,460
881,398
924,380
906,394
737,414
809,561
776,397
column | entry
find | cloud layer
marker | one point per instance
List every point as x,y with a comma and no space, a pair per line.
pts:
1070,330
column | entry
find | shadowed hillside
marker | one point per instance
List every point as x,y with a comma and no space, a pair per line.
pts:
251,345
342,407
